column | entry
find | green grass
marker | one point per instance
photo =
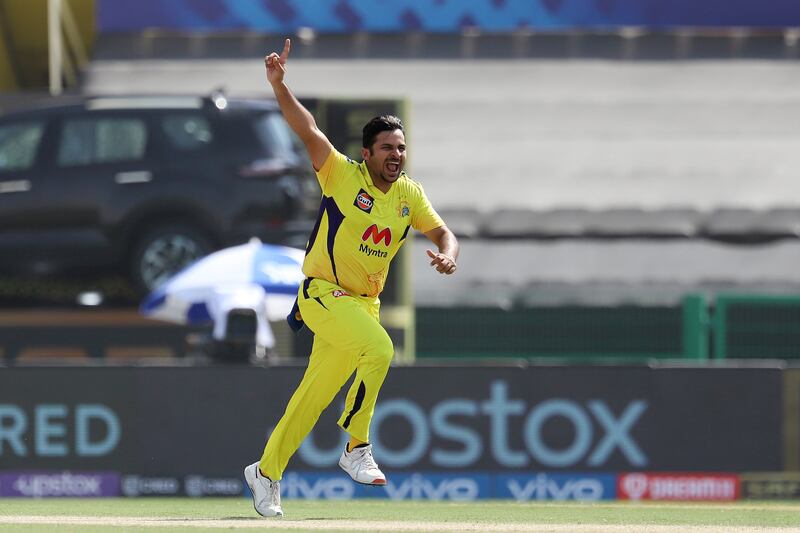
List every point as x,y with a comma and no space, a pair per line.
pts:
747,513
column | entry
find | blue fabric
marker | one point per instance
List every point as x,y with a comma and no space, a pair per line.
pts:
291,318
445,16
198,314
153,301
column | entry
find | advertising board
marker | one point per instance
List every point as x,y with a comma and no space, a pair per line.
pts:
204,424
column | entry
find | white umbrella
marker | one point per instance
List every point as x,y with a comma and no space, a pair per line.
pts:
261,277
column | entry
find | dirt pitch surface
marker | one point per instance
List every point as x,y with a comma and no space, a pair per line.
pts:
373,525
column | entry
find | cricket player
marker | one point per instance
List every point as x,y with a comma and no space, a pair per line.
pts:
366,212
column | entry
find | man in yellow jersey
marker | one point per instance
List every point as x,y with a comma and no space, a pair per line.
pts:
366,212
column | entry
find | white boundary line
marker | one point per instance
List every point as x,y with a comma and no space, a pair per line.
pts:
373,525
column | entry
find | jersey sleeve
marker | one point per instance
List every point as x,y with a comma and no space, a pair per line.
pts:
423,216
332,171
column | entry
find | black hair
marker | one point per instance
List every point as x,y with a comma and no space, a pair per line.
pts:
377,125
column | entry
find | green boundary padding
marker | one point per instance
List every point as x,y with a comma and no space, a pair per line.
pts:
721,327
693,343
695,327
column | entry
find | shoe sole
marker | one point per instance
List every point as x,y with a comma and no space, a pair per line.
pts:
249,480
375,482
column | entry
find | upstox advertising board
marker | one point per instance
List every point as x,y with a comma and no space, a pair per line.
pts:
208,422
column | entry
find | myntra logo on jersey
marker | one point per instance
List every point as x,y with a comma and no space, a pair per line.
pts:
377,236
445,436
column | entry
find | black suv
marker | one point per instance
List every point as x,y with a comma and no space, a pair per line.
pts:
148,184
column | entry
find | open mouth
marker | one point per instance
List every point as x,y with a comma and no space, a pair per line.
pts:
393,167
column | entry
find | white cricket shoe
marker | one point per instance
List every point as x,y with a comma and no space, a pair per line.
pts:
266,493
361,466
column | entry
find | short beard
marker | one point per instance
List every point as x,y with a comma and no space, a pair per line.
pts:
384,178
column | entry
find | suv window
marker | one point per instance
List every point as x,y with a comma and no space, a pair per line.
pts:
18,144
187,131
101,140
276,136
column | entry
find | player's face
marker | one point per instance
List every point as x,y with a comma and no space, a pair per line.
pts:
386,157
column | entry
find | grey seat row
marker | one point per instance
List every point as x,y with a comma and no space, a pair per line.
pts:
725,224
593,293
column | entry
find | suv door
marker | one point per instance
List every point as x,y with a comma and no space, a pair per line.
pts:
26,193
98,158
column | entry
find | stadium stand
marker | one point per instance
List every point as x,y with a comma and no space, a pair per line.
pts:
647,166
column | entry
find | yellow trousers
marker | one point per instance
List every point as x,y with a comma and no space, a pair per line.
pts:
347,337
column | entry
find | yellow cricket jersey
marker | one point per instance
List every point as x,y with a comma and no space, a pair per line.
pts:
359,228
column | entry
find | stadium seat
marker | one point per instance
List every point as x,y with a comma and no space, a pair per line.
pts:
750,225
465,222
603,293
519,223
490,294
636,222
781,221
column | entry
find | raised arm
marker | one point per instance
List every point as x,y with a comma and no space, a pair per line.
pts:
298,117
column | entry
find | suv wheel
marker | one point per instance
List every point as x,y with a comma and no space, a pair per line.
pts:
164,251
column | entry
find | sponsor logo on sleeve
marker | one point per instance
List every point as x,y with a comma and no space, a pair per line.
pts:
364,201
339,293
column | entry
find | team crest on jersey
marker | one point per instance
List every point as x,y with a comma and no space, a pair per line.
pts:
403,210
364,201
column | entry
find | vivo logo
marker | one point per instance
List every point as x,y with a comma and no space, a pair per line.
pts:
417,487
338,488
544,487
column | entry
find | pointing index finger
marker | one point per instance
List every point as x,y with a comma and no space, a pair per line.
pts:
287,45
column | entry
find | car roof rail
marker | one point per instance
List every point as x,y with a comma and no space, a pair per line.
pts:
143,102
